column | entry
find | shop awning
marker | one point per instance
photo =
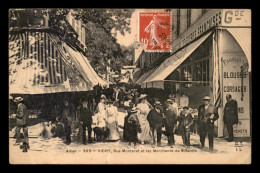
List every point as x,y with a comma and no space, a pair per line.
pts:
144,76
84,67
136,74
170,64
38,64
243,37
140,78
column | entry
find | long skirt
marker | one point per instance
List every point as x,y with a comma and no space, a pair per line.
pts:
132,132
145,127
113,131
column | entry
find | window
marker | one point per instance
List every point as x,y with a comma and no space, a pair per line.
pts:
77,27
186,75
178,22
83,35
201,72
73,23
188,17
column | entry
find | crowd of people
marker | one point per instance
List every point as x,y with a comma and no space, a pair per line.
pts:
143,122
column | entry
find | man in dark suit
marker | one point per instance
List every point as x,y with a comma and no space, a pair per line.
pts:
155,120
185,120
171,121
67,117
22,119
121,97
85,119
230,116
208,113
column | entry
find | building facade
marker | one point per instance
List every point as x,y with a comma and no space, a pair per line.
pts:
211,55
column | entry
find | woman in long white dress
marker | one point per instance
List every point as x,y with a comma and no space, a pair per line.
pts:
112,121
143,110
101,112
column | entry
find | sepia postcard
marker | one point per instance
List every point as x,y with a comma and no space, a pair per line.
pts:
129,86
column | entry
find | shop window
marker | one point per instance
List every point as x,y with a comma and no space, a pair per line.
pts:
201,72
186,75
204,72
73,23
83,35
207,71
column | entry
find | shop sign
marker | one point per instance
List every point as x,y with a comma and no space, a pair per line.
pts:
236,83
211,19
236,17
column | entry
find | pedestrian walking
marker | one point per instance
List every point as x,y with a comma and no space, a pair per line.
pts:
185,120
230,116
134,127
101,112
112,121
85,120
68,118
171,122
126,124
155,120
143,110
21,122
207,115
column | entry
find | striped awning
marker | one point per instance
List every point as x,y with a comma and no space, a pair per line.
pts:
243,37
38,64
83,65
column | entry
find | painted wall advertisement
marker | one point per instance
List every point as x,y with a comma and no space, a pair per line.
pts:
236,83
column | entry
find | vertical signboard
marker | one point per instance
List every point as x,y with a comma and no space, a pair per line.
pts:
236,83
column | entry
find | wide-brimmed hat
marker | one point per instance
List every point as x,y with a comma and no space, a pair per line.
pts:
142,96
169,101
18,99
206,98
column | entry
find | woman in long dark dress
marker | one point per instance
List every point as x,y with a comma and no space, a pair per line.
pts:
126,124
134,127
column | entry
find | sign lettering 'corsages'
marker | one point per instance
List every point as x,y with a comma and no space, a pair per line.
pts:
155,31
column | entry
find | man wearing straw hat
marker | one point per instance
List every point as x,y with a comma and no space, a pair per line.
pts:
21,121
207,115
155,120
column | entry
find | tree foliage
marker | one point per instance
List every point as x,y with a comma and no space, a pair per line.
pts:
102,26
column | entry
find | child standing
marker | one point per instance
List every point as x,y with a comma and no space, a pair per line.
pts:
185,120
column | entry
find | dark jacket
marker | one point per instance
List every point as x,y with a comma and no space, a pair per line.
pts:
204,114
67,115
230,112
171,117
154,117
185,121
22,117
121,95
85,115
